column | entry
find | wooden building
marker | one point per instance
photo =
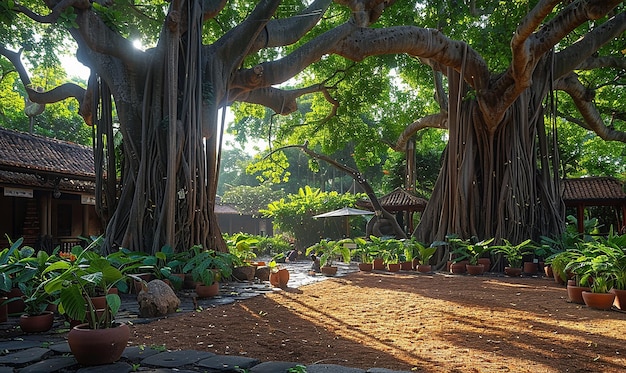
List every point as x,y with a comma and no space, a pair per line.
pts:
46,191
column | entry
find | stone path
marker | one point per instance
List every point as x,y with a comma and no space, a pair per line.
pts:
49,352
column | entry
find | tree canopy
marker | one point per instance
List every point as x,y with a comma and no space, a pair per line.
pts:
354,72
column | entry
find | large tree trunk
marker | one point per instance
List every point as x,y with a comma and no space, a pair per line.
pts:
167,188
496,182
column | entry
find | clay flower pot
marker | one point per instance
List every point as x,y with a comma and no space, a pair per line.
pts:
98,346
575,293
37,323
279,278
458,268
475,270
530,267
406,266
366,267
599,301
378,264
207,291
620,298
329,270
424,268
393,267
512,271
486,262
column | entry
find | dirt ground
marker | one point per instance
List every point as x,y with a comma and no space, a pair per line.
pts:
423,323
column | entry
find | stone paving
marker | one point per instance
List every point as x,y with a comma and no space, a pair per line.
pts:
49,352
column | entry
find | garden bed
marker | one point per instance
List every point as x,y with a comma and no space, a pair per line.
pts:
429,323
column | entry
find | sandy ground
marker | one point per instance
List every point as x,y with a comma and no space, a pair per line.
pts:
423,323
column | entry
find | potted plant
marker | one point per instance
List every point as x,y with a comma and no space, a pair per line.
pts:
327,251
471,250
15,269
206,267
36,317
279,276
241,246
514,255
81,274
364,252
390,250
423,258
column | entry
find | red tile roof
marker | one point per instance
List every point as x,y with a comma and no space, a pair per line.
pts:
598,190
27,153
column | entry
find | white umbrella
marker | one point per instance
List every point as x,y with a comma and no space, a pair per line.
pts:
345,212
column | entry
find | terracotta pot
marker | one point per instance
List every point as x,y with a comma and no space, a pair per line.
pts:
530,267
575,293
393,267
98,346
366,267
37,323
138,285
329,270
599,301
458,268
15,306
378,264
406,266
244,273
424,268
475,270
620,298
512,271
279,278
207,291
486,262
4,312
99,303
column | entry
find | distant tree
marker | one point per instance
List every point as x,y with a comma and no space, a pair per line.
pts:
250,200
294,214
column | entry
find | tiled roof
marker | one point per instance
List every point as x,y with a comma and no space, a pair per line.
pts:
226,210
594,190
399,199
20,180
22,152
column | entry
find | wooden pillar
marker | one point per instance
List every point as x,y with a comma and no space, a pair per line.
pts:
85,220
580,209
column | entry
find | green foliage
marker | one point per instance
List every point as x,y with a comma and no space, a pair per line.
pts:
250,200
294,214
514,253
327,251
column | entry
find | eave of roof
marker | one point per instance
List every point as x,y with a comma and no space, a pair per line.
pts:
34,154
593,191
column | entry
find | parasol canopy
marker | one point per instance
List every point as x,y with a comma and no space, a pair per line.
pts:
345,212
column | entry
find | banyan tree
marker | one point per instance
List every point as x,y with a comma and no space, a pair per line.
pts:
157,186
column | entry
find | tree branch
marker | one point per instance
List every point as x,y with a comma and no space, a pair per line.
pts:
279,71
419,42
281,101
577,56
583,100
56,11
236,43
529,48
379,211
212,8
439,120
281,32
